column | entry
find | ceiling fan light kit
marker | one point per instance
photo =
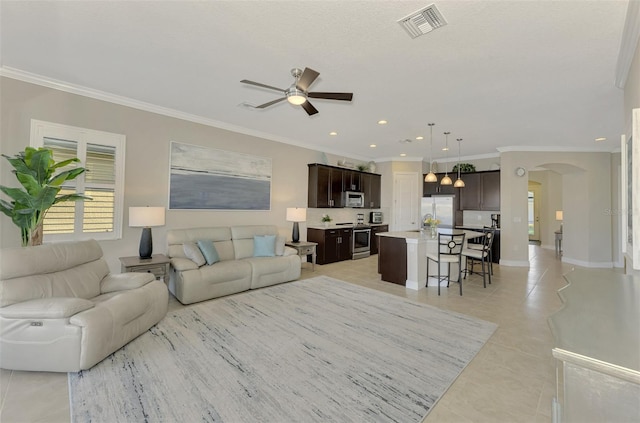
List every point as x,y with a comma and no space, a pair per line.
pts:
298,94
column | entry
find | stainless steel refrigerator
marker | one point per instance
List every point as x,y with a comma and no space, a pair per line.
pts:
439,207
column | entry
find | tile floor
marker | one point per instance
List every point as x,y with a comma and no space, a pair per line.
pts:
510,380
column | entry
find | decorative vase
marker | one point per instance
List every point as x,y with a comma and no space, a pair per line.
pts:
434,231
325,224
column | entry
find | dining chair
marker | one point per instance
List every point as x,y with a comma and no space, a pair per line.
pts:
449,252
482,255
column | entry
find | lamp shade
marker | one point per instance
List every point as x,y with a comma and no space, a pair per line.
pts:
296,214
559,215
146,217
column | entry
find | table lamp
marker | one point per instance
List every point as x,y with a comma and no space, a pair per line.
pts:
559,218
145,218
295,215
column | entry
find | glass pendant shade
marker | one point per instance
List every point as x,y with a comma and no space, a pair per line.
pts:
459,183
431,177
446,180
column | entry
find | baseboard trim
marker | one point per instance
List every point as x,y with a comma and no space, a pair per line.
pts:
582,263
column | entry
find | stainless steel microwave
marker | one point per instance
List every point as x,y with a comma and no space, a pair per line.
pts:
353,199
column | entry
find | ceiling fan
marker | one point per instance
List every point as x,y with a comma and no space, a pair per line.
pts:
297,93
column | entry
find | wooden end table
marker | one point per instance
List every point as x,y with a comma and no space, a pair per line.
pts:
304,249
158,265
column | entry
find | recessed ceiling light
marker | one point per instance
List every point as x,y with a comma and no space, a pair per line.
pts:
333,133
601,139
420,137
372,145
403,154
382,122
445,148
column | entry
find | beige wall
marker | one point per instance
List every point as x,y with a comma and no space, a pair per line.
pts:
586,203
147,160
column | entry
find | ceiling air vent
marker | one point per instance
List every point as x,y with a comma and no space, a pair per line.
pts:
422,21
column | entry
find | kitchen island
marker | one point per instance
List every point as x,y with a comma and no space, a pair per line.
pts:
402,256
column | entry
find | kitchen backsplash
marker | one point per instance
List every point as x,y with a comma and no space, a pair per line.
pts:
339,215
477,217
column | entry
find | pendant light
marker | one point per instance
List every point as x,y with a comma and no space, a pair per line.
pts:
459,182
431,177
446,180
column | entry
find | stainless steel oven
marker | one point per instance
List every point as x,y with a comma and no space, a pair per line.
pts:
361,243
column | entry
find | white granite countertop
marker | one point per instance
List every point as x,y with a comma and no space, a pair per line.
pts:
426,236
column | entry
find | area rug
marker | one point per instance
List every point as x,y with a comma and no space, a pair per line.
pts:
316,350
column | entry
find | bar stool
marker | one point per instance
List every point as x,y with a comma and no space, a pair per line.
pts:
482,255
449,251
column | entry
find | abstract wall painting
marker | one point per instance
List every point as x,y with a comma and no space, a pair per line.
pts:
212,179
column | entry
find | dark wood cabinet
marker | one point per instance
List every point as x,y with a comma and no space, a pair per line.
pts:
481,191
371,186
325,186
375,240
435,188
392,260
352,181
333,244
327,183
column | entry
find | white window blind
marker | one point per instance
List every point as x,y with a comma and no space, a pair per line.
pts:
102,154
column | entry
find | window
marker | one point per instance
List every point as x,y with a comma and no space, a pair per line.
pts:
102,154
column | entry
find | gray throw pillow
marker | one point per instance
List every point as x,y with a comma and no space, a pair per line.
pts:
193,253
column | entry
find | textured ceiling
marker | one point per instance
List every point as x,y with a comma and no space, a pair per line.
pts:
500,74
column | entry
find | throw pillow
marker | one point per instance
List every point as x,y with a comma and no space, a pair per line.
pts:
264,246
193,253
209,251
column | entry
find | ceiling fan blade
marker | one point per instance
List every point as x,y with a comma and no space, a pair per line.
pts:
271,103
257,84
332,96
306,79
308,107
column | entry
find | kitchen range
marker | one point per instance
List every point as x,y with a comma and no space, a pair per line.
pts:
346,240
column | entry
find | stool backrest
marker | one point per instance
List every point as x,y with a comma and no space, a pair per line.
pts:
450,245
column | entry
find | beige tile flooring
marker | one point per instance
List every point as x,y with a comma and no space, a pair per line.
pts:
510,380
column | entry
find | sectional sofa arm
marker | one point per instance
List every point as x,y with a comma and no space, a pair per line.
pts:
46,308
182,264
288,251
125,281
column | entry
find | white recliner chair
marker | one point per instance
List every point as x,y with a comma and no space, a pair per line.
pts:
61,310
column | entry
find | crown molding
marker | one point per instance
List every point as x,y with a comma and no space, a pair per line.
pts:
551,149
20,75
629,43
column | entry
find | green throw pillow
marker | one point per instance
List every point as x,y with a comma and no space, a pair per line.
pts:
264,246
209,251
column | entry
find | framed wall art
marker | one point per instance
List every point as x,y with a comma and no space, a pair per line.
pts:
212,179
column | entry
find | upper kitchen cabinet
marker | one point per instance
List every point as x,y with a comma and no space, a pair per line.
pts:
327,183
325,186
371,186
434,188
481,191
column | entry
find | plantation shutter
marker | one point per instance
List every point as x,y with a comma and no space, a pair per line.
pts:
100,182
60,218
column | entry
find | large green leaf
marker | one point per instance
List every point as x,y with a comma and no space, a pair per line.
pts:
41,162
16,194
29,183
64,163
71,197
67,175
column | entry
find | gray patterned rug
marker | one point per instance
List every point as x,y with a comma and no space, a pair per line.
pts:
317,350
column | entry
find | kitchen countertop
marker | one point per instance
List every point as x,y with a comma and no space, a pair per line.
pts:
474,227
417,235
334,226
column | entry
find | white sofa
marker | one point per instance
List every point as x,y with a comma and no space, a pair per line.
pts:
238,270
61,310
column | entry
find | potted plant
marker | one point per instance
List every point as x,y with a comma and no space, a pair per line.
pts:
35,170
464,168
326,219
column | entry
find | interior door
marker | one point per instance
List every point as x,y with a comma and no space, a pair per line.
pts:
406,197
534,212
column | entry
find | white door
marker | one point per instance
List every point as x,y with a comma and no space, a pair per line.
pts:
406,201
534,212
